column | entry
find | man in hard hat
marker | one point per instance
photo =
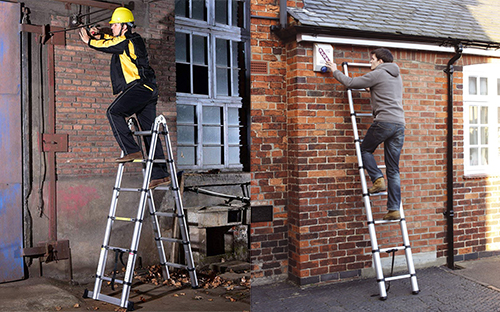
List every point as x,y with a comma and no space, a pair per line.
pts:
135,82
386,87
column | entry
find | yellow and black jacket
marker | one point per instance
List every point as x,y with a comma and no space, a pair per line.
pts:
129,63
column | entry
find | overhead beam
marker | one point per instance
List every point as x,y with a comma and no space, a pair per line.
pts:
93,3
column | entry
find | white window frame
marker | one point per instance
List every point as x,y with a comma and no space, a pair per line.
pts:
492,102
213,31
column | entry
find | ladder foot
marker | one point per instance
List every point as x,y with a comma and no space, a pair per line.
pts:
383,298
130,306
416,292
86,294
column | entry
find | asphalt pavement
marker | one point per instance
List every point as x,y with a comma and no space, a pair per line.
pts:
474,287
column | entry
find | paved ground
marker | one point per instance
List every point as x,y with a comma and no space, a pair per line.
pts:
476,287
42,294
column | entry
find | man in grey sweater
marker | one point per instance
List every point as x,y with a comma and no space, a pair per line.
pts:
386,88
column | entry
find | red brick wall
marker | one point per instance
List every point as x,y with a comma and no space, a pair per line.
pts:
83,91
269,244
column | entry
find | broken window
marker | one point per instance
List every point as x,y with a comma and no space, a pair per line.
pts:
211,85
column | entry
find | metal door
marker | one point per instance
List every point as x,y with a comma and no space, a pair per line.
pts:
11,208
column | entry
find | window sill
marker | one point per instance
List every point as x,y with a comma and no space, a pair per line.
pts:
481,175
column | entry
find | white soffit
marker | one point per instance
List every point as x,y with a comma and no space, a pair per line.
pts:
394,44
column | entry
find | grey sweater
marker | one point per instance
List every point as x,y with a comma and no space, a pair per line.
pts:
386,88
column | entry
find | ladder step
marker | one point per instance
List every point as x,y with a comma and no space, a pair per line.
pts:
378,194
177,265
173,240
359,64
392,278
125,189
109,279
385,221
165,214
363,114
108,299
117,248
124,219
397,248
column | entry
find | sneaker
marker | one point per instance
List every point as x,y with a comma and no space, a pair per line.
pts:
129,157
392,215
157,182
378,186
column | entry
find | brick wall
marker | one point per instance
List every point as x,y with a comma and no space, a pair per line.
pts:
83,91
269,245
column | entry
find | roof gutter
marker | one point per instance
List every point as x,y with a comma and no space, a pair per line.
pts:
394,44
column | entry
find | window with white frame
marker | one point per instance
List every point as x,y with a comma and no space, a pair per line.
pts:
481,118
210,41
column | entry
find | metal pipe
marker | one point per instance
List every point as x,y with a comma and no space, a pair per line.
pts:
283,14
449,166
51,128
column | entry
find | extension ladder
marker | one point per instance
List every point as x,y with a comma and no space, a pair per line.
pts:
381,280
145,197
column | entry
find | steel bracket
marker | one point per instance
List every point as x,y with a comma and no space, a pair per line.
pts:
54,142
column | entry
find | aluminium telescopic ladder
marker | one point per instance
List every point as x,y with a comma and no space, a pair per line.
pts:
381,280
146,196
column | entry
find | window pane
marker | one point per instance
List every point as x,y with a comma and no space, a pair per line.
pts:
484,156
183,78
200,50
472,85
186,135
473,157
186,155
181,47
222,81
200,81
233,136
473,136
186,114
221,11
199,11
234,155
484,115
473,114
212,135
237,19
484,135
181,8
222,52
233,117
212,115
212,155
484,86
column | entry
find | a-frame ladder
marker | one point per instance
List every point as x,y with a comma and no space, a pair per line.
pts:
376,250
146,196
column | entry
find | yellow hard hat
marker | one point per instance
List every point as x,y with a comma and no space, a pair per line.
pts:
122,15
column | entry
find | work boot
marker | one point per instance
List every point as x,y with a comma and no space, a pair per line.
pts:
129,157
392,215
378,186
157,182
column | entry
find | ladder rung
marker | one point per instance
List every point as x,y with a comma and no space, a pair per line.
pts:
363,114
397,248
150,132
392,278
381,166
165,214
109,299
385,221
172,240
124,219
124,189
378,194
177,265
359,64
109,279
119,248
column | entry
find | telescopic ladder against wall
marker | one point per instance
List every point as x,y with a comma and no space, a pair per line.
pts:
146,196
376,250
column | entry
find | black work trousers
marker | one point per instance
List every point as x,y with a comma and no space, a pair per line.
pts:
139,99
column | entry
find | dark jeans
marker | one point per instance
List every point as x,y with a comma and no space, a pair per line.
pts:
141,101
392,135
